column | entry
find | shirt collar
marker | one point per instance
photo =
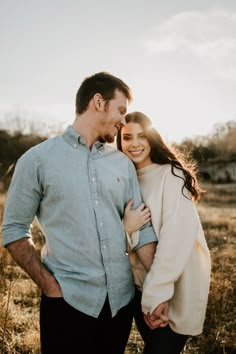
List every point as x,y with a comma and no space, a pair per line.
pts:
74,138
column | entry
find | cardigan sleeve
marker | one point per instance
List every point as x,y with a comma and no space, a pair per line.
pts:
179,229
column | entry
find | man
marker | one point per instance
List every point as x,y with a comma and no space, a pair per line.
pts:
78,188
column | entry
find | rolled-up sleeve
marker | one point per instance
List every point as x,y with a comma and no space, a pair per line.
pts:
23,199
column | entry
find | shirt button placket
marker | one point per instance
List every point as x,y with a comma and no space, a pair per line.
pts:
98,211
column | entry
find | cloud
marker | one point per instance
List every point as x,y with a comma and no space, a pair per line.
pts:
209,36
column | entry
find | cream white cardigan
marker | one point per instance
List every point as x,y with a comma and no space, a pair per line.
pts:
181,268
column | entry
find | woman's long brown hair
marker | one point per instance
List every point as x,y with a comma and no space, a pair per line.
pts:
162,154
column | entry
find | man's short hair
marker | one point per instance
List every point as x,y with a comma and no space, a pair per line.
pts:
103,83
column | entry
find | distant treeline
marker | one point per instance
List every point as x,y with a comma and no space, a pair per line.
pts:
218,145
12,146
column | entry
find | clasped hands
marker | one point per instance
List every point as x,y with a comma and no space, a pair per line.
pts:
159,317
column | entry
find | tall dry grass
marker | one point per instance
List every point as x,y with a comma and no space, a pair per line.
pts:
19,296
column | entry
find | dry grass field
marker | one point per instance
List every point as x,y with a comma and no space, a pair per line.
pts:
19,297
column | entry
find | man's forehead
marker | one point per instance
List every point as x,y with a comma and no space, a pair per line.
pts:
119,94
120,98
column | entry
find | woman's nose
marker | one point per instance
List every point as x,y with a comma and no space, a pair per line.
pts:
135,142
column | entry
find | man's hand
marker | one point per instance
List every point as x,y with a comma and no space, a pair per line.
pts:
25,255
159,317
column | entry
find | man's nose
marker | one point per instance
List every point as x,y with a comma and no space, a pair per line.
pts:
123,121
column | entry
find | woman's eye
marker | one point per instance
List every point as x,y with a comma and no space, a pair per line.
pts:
126,138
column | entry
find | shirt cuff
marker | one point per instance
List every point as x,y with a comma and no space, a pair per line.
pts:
132,240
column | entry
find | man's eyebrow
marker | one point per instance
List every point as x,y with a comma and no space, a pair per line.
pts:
123,109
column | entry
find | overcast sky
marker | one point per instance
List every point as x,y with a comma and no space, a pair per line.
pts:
178,56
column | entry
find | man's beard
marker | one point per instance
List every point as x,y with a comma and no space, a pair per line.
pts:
107,139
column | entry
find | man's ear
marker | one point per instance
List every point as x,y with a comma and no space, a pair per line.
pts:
98,101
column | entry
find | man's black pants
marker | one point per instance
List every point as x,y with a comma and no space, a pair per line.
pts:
65,330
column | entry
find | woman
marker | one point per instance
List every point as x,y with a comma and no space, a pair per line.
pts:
175,290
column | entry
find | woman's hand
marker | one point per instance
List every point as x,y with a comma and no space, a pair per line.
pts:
159,317
134,219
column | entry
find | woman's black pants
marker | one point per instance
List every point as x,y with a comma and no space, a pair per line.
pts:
159,340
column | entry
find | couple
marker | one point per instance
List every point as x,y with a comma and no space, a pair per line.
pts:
86,197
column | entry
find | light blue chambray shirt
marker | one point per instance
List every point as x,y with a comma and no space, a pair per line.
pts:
78,197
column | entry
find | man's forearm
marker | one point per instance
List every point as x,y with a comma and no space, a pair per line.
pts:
146,254
25,255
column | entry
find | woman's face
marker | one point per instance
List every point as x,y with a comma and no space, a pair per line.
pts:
135,145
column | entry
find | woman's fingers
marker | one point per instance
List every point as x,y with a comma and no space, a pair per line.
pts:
155,323
129,204
141,207
146,212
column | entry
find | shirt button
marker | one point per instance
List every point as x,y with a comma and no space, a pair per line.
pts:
104,246
101,223
82,140
93,179
75,145
96,202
